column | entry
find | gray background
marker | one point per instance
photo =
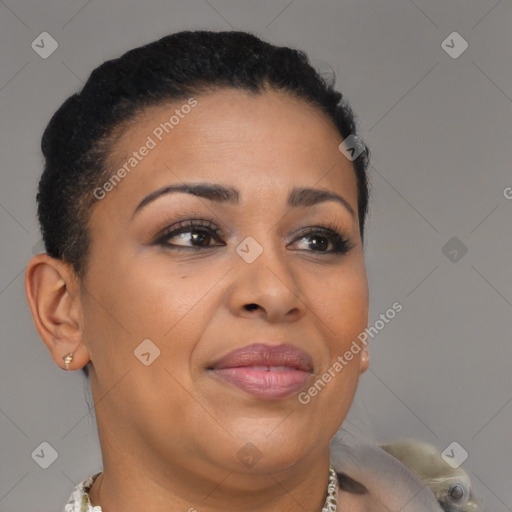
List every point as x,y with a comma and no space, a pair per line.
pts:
439,129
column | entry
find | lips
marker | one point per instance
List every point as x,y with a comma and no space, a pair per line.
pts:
265,371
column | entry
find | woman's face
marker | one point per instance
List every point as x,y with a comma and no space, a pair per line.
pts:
161,310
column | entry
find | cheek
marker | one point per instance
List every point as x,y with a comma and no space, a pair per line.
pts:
341,302
150,297
155,299
159,302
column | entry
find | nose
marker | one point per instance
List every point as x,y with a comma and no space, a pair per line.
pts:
267,288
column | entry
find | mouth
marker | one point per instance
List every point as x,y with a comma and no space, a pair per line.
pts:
268,372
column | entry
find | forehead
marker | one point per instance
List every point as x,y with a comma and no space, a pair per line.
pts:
269,142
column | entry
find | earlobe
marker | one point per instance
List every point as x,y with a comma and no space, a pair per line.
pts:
53,296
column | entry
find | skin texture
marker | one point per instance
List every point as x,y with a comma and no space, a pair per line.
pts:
171,432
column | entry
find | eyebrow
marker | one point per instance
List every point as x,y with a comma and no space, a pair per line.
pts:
298,197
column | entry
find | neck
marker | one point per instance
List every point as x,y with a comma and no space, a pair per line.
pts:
134,485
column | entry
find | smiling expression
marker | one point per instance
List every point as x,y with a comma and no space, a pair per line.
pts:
239,228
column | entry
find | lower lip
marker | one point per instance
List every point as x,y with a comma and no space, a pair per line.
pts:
269,385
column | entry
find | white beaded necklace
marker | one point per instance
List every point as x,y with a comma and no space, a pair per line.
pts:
331,502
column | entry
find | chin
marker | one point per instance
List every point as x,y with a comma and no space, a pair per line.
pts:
263,454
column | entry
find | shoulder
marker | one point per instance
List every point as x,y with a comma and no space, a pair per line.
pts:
389,485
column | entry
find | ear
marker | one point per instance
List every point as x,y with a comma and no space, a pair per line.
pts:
364,360
53,294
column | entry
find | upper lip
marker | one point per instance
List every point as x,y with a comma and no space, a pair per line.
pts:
261,354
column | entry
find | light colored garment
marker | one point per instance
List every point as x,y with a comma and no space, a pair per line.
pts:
79,499
392,486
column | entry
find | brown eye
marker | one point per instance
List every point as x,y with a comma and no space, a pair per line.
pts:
190,235
324,241
320,243
197,237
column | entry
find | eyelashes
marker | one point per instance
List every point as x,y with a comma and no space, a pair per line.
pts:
340,243
193,227
202,232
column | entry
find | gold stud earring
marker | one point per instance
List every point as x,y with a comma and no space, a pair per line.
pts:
67,359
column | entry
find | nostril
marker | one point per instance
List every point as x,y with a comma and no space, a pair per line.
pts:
250,307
